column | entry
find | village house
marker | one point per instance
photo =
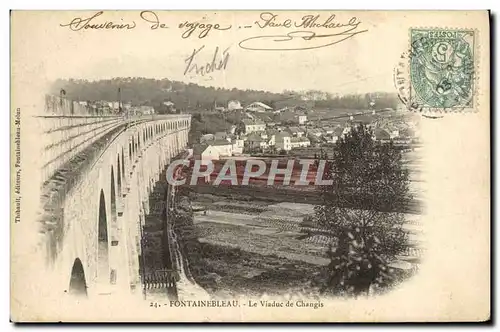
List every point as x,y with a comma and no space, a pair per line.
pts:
253,126
114,106
258,107
356,124
288,117
232,129
234,105
284,109
299,142
283,141
271,136
315,132
147,110
170,106
255,141
380,134
315,141
302,119
328,130
408,133
142,110
296,131
330,139
207,138
126,106
266,117
221,135
238,145
205,152
346,130
337,134
223,147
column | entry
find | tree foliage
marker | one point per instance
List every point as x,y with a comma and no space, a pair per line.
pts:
369,185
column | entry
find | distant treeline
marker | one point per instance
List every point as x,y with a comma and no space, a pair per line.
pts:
190,97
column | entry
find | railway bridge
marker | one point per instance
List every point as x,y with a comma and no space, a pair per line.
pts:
96,176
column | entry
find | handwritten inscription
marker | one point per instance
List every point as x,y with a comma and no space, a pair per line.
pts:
153,19
304,33
191,28
301,39
270,20
79,23
201,28
219,62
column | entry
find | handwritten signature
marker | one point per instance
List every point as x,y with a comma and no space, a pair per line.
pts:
301,39
297,40
217,63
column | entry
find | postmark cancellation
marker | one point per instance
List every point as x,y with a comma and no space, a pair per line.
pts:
442,72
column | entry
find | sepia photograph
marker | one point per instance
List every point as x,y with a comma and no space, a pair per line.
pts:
245,166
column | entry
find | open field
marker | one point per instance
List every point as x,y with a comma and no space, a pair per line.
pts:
255,248
275,230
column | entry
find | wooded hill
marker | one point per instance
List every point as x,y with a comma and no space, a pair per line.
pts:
193,97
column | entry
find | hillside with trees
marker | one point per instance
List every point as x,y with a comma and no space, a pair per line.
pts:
195,98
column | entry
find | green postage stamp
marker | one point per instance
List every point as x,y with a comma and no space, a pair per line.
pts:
442,69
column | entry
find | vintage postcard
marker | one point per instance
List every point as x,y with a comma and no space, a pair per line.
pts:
250,166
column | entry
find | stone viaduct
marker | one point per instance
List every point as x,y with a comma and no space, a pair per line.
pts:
98,171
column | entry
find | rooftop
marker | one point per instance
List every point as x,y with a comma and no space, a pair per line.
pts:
199,148
381,134
249,122
282,134
259,104
220,142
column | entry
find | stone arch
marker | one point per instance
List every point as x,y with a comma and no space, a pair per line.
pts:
103,241
123,166
77,283
113,195
119,175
